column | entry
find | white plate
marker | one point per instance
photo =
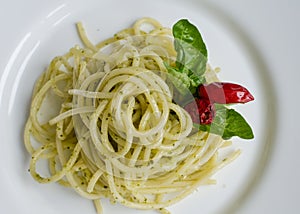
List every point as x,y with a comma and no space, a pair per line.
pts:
250,50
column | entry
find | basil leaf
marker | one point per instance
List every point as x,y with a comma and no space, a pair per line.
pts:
236,125
191,57
228,123
180,80
190,47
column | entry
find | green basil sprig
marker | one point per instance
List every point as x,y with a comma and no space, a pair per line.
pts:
188,74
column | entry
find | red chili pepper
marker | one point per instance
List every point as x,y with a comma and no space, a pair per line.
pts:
224,93
201,111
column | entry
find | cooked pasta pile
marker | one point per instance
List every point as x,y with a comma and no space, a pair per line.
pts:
118,133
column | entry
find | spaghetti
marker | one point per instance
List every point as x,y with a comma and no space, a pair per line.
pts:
118,133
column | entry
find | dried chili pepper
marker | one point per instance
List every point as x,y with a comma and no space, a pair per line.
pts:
224,93
201,111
